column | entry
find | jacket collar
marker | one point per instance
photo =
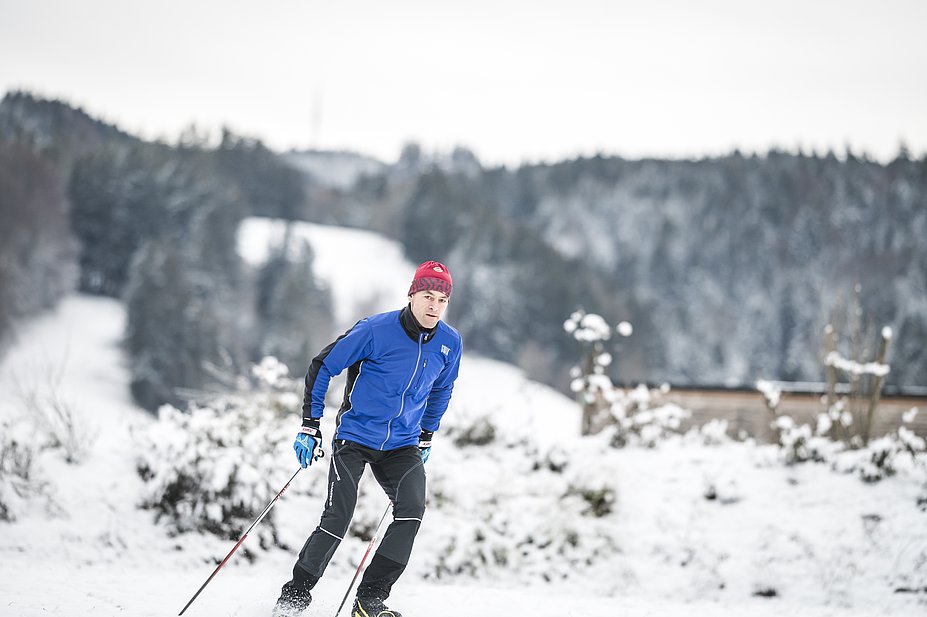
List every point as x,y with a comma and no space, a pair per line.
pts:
413,328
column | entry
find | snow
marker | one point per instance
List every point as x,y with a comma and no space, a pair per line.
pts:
856,368
697,525
365,272
592,328
771,391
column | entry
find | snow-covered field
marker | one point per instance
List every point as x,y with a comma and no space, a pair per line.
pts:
365,272
824,543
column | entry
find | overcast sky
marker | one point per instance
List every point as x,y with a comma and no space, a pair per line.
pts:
512,80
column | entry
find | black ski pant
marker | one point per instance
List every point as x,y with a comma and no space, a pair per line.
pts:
401,474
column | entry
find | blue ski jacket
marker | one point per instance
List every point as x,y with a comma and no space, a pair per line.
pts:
400,379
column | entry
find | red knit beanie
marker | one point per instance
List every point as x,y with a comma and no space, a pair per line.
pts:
432,275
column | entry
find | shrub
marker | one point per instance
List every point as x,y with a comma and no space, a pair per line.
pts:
19,477
872,460
633,417
215,467
549,517
599,500
479,432
640,418
885,456
712,433
57,418
528,536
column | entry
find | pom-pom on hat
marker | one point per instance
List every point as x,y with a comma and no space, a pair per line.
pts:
432,275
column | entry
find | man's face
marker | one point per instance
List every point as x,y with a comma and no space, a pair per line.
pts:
428,306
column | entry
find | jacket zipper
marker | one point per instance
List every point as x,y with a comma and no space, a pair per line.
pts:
421,376
402,402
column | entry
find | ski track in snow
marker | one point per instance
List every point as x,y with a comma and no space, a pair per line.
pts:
245,592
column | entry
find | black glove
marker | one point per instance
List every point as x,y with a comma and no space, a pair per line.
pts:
424,444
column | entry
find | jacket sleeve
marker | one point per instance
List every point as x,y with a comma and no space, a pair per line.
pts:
441,391
352,346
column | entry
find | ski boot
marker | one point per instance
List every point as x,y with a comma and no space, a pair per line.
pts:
371,606
292,602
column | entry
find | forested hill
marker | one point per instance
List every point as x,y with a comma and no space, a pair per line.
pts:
729,268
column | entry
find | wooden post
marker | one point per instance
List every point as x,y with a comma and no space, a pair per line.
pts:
830,342
589,407
877,385
837,429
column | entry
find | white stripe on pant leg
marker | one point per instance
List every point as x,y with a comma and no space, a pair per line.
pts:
408,519
330,533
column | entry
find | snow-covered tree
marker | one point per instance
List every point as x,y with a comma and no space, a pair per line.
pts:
840,434
632,415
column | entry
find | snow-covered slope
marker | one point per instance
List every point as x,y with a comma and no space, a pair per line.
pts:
365,272
85,548
693,529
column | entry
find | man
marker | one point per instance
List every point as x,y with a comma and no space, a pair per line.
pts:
401,371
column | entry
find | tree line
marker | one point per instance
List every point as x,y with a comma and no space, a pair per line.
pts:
728,267
154,225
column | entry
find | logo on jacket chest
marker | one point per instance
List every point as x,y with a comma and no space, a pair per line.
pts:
445,349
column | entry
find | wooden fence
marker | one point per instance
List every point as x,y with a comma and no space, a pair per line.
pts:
745,410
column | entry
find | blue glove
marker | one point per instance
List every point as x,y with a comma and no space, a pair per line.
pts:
308,444
424,444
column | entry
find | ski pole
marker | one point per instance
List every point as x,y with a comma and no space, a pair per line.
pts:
235,548
363,559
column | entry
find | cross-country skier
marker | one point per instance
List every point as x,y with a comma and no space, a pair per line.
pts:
401,371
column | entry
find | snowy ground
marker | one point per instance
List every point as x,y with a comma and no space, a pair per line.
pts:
826,543
95,553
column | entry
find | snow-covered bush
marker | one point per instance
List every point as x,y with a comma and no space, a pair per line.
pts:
798,443
540,525
599,499
526,504
635,416
539,544
899,450
593,388
712,433
841,432
479,432
555,459
59,420
215,467
849,418
845,422
19,478
641,418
